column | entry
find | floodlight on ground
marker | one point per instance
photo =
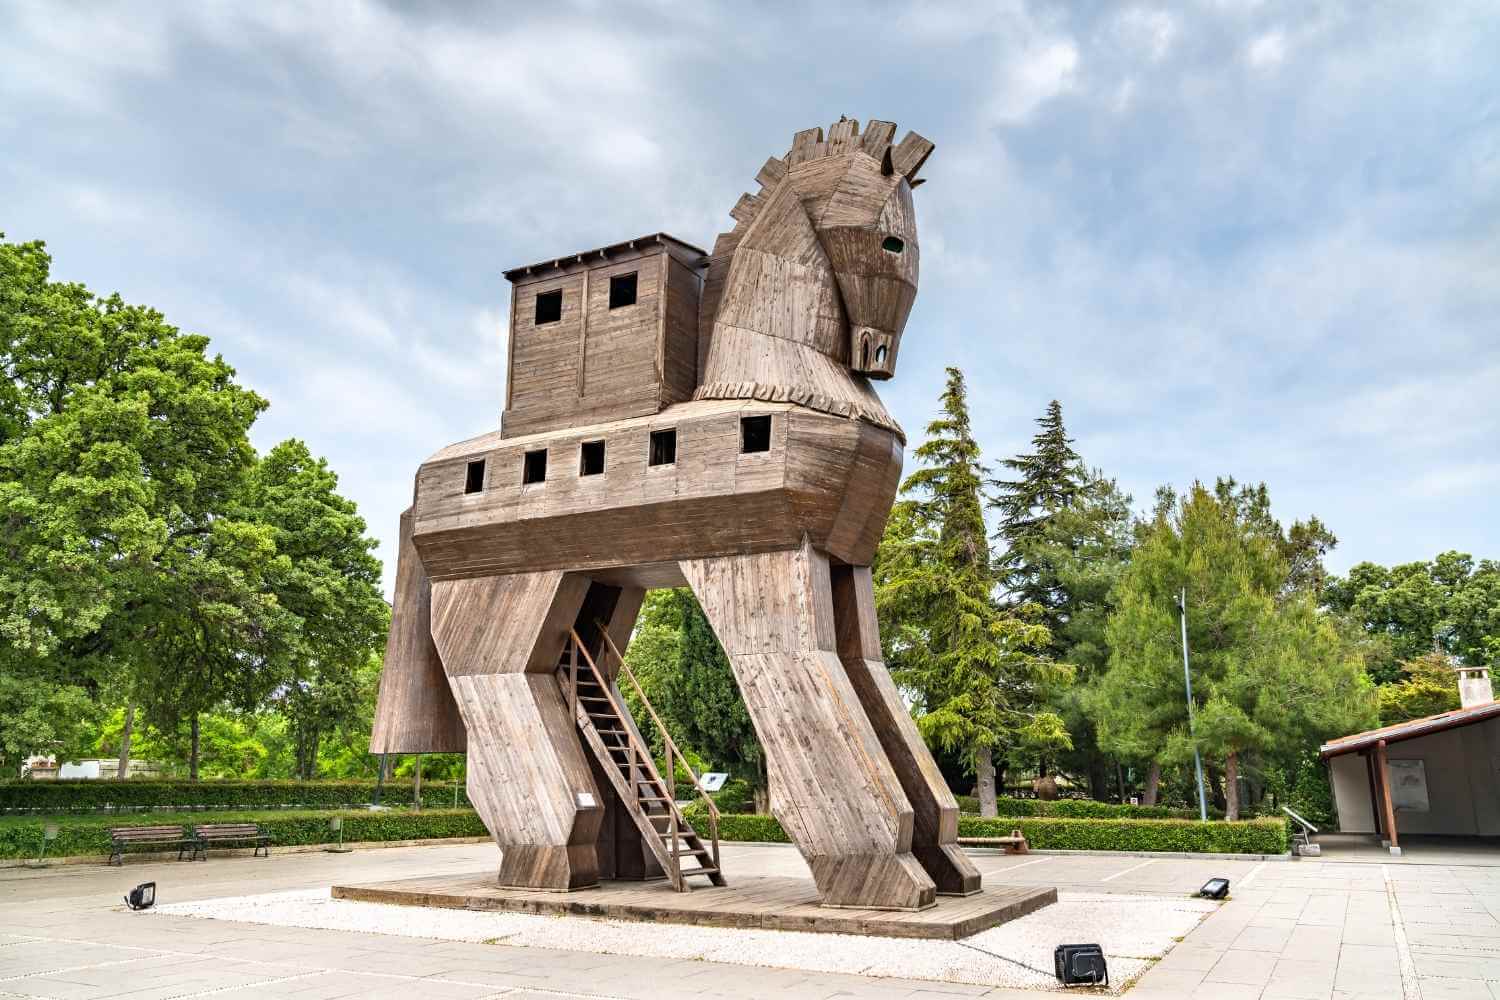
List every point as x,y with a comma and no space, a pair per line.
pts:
142,897
1215,888
336,824
1080,965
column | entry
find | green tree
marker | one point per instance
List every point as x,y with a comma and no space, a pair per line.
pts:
326,577
121,442
1271,674
975,669
1449,605
1082,550
1048,480
139,553
1428,686
688,679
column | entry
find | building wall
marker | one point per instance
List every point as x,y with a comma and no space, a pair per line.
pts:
1482,745
598,364
1463,784
1351,793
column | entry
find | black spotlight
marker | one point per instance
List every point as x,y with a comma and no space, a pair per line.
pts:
142,897
1215,888
1081,965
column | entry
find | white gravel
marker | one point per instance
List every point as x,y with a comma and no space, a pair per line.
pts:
1134,931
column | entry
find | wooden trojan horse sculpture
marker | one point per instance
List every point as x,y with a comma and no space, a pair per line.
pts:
680,419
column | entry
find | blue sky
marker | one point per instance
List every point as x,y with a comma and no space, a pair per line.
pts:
1255,239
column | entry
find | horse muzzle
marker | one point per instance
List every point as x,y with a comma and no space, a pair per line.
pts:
872,352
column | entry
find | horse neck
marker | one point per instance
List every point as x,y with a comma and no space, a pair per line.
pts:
779,332
780,287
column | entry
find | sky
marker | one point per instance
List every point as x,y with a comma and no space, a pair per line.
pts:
1257,239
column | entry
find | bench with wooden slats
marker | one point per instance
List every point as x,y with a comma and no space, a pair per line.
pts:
217,834
1014,844
122,838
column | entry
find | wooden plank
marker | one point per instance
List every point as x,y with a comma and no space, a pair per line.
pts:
415,712
1387,810
766,903
935,810
909,156
773,613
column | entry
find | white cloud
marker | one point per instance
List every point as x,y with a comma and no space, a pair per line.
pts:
1211,278
1267,51
1148,31
1033,77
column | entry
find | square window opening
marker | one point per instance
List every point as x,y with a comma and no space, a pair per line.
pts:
474,477
664,447
591,458
755,433
548,307
622,290
534,467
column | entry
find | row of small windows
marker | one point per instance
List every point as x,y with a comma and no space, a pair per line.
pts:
621,294
755,435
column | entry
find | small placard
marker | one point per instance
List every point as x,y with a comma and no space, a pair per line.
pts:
585,800
712,781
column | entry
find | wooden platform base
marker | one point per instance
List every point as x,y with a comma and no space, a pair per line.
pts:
781,904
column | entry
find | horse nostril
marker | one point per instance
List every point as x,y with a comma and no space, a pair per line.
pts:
892,244
864,353
880,355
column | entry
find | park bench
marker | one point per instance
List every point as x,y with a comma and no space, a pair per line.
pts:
231,833
122,838
1014,844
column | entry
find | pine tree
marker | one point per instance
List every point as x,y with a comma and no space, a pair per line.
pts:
694,689
1049,479
1271,673
972,666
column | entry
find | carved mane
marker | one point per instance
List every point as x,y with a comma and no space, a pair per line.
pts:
841,393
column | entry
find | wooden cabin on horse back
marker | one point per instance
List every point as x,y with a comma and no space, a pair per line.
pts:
676,418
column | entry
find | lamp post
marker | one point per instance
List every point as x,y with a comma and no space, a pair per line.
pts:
1187,682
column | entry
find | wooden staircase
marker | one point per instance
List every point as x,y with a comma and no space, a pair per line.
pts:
610,733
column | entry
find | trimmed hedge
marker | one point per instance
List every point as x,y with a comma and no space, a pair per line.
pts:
1256,836
89,835
749,827
1075,809
1259,836
107,795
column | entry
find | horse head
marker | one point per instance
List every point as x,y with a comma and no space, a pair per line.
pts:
857,191
807,297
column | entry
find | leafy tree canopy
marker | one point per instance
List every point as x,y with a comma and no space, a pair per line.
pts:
1449,605
976,670
148,552
1270,672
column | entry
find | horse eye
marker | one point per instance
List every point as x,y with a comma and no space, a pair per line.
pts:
892,244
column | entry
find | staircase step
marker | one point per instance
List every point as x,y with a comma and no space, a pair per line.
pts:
705,870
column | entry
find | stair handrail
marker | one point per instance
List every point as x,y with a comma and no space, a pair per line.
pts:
672,750
649,765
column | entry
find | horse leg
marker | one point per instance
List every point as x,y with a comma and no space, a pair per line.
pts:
414,712
832,787
500,639
935,810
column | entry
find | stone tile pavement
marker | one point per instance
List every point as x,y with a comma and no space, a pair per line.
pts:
1330,929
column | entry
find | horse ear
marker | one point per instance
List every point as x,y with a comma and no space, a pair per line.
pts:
887,167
